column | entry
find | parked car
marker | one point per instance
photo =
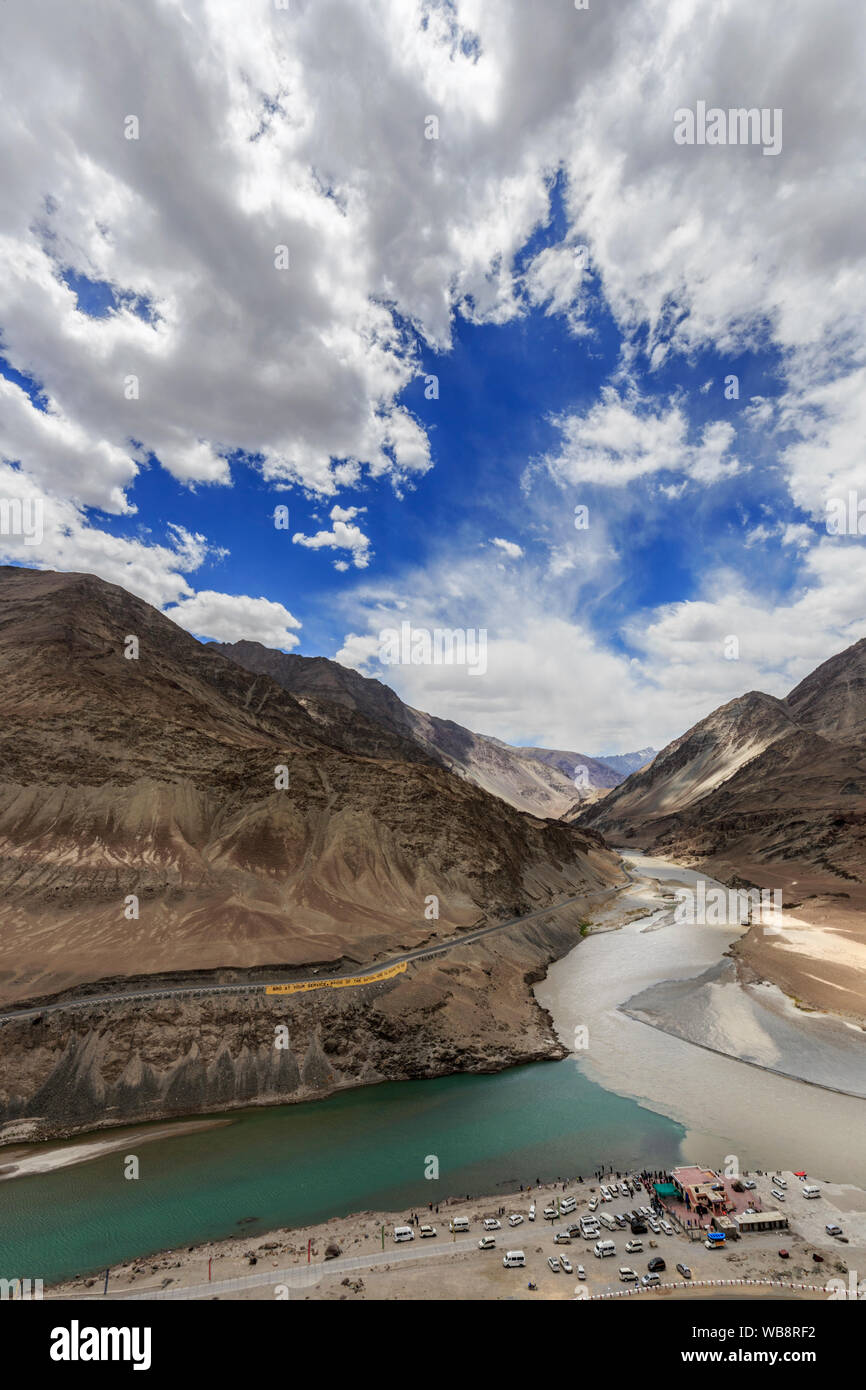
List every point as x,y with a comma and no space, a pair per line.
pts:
487,1243
627,1275
833,1230
819,1259
749,1185
655,1266
634,1247
427,1231
554,1264
684,1271
532,1212
581,1272
491,1224
784,1254
638,1228
566,1265
515,1219
562,1238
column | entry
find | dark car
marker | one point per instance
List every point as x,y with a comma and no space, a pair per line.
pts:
657,1265
784,1254
638,1228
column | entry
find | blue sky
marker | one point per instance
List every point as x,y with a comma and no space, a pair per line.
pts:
580,285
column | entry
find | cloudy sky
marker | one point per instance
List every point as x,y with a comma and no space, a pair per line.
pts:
432,275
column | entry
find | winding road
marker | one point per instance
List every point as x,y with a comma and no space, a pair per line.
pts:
260,986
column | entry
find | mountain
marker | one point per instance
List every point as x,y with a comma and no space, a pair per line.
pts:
771,793
760,780
153,776
624,763
541,781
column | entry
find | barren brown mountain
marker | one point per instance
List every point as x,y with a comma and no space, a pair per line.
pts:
772,793
155,777
538,780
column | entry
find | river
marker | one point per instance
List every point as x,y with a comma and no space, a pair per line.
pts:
635,1097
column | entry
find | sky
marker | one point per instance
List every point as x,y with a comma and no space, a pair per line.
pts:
436,278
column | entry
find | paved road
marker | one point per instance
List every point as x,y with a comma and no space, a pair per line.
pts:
204,991
302,1276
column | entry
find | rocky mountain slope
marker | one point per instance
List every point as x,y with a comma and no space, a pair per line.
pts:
543,781
771,793
142,834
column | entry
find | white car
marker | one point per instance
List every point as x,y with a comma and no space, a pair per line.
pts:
833,1230
581,1272
514,1219
634,1247
550,1213
554,1265
667,1228
491,1224
593,1203
427,1231
566,1265
532,1212
627,1275
487,1243
654,1226
749,1185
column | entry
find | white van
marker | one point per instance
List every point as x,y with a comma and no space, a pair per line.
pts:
532,1212
513,1258
604,1247
566,1205
779,1196
811,1191
403,1233
459,1223
607,1221
779,1182
627,1275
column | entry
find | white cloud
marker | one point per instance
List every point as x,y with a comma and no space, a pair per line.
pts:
509,548
624,437
233,617
260,128
344,535
583,695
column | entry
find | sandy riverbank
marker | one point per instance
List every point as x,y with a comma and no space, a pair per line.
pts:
434,1270
27,1160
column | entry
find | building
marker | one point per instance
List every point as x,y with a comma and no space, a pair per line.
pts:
760,1221
726,1225
700,1187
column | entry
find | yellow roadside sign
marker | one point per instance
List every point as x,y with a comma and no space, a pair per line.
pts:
302,986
